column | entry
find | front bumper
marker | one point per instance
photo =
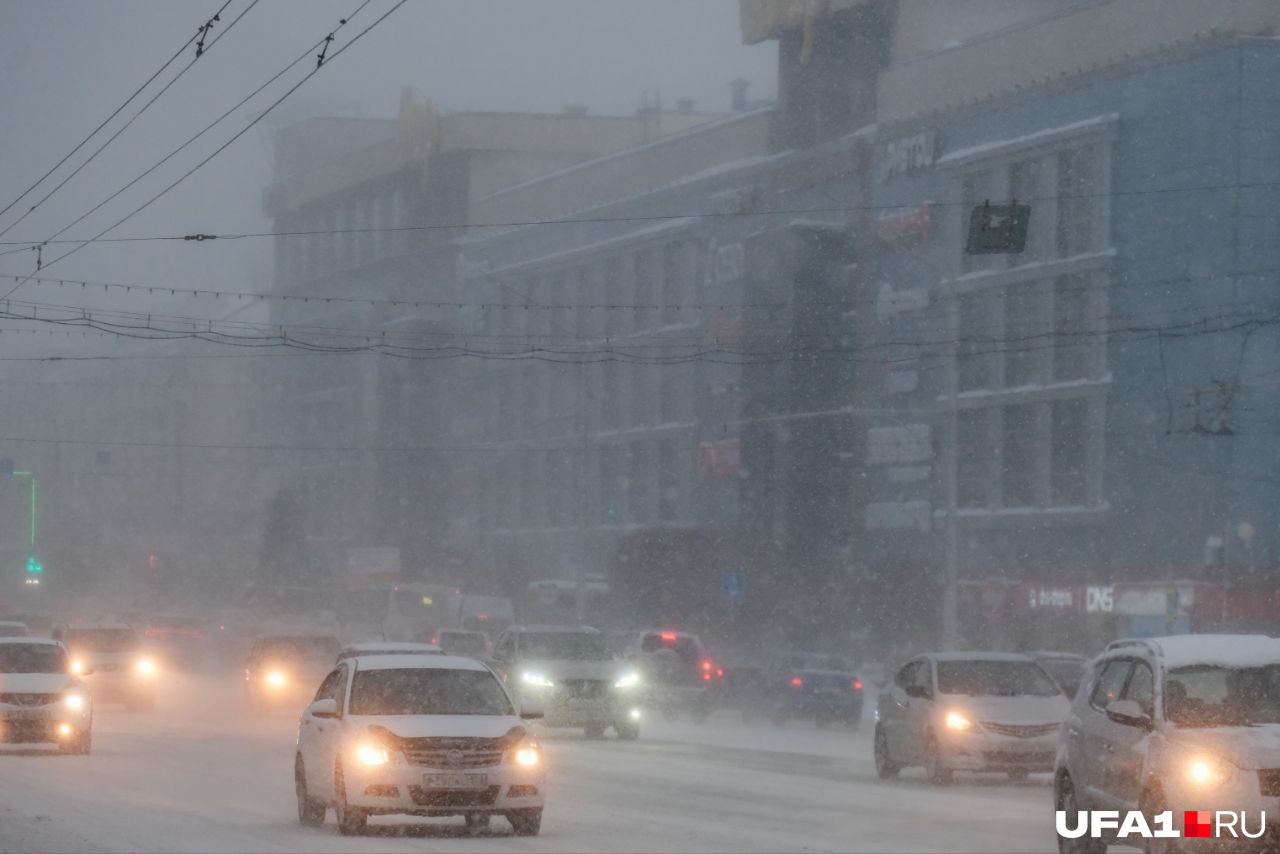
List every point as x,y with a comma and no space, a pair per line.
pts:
401,787
51,724
563,709
982,751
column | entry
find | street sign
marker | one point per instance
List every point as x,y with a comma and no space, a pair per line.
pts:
998,229
733,585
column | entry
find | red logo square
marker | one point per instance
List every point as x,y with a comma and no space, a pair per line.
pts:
1196,823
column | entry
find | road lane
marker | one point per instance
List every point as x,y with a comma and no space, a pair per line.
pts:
199,775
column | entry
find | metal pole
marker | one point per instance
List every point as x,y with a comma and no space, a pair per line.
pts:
584,507
950,439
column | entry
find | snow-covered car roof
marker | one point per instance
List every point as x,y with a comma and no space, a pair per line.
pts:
1062,656
564,629
1224,650
31,640
388,648
431,661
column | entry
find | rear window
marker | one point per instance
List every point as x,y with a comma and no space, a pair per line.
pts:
32,658
306,648
463,643
682,645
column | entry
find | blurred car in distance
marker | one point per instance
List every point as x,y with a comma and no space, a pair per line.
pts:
114,663
282,671
805,685
968,711
571,673
422,735
680,675
41,700
469,643
1066,668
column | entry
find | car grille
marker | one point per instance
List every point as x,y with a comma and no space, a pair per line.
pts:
1020,730
1269,782
425,797
28,699
454,758
585,688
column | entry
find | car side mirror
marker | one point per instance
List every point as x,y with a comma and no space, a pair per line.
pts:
919,691
532,710
326,708
1128,713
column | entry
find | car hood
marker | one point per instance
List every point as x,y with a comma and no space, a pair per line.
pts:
1010,710
1248,747
553,669
449,726
34,683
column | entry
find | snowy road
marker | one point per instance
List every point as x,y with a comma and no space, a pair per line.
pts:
200,776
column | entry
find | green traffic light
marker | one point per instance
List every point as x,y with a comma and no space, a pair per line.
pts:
33,564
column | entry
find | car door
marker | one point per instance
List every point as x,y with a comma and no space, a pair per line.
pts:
920,707
892,707
1126,743
318,737
1097,732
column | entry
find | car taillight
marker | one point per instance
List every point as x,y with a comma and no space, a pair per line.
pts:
667,637
857,684
797,682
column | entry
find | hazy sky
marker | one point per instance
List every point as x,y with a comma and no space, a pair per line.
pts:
65,65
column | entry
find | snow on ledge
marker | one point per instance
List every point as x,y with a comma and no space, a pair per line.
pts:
999,146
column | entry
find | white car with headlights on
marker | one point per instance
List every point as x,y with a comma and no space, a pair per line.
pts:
41,701
1185,723
423,735
113,663
572,674
969,711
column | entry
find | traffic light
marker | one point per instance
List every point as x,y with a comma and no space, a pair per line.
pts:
34,565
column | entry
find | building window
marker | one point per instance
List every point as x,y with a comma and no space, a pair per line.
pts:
973,458
1024,344
1068,451
1079,200
673,275
1071,345
1018,457
975,346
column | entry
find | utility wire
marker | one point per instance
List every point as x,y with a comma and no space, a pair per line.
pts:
132,119
237,136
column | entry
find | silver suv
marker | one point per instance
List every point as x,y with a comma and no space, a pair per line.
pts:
1177,723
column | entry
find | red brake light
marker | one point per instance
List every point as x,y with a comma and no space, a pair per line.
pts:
435,640
857,684
719,672
667,637
706,664
797,682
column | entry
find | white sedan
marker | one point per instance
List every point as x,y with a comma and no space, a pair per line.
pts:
40,700
424,735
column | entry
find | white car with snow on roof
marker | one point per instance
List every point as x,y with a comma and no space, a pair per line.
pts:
423,735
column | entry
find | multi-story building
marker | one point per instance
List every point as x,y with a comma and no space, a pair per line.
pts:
368,208
1096,399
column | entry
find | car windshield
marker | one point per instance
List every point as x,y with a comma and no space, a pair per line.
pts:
427,691
32,658
981,678
101,640
1067,672
1208,696
563,646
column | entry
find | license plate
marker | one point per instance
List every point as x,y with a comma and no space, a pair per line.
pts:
455,781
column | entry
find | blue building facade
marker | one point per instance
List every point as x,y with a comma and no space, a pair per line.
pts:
1110,393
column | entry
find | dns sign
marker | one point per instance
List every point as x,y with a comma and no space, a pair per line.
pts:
1099,599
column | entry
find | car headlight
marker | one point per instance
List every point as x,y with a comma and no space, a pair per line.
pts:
527,753
957,722
77,665
372,755
145,667
627,680
74,702
276,678
1206,770
537,680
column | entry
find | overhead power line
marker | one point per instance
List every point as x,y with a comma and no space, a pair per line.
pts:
199,35
236,136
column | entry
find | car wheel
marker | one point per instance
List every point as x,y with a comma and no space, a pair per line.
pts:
1066,800
351,821
526,822
593,731
477,822
1018,775
886,769
627,730
934,766
310,810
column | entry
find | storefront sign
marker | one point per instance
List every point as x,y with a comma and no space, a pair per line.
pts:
907,224
1099,599
909,154
1062,598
